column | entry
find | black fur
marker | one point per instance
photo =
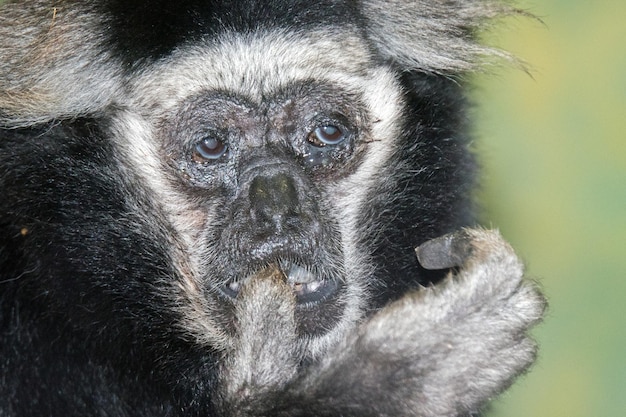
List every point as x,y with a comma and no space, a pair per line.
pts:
143,31
430,202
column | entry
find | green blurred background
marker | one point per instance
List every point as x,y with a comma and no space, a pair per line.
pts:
553,148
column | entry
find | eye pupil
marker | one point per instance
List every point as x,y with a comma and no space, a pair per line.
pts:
330,131
326,135
209,149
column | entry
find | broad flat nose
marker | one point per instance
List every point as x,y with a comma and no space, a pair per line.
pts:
274,201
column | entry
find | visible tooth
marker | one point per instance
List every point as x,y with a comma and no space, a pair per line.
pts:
296,273
306,287
313,286
234,286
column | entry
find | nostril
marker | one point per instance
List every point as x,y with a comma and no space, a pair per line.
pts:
259,191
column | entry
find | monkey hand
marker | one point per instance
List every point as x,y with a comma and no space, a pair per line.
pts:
445,350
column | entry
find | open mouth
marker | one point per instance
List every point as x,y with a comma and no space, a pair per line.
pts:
307,287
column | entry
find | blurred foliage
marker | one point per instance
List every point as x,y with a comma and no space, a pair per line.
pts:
553,147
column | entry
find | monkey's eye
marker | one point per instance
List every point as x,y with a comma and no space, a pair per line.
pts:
209,149
326,135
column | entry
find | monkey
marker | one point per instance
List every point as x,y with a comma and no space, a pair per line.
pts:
246,208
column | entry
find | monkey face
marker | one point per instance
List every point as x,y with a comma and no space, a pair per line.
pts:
257,165
261,176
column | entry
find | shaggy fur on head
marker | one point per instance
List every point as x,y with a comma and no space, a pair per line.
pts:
59,49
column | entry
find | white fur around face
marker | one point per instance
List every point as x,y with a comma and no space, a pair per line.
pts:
256,66
252,66
138,154
382,95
